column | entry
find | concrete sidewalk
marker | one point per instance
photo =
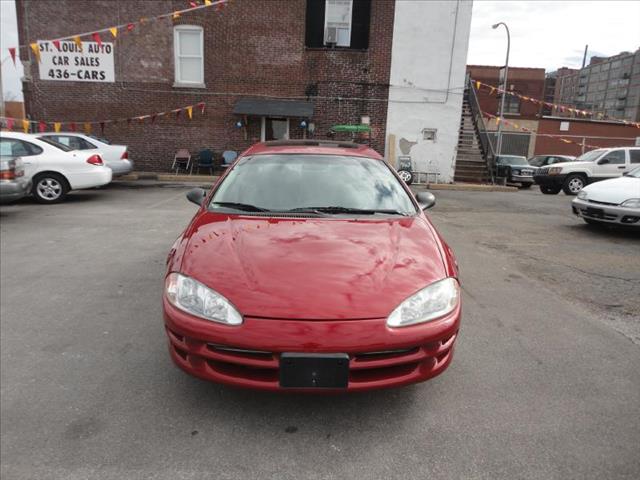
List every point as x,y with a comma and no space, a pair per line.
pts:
209,179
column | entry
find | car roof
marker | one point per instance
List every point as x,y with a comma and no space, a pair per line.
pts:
18,135
312,147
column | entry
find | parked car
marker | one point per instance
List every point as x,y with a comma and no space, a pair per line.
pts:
311,266
515,169
593,166
116,157
13,184
53,169
615,201
544,160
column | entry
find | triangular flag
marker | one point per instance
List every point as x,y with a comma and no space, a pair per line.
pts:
96,38
219,7
72,126
57,126
25,126
78,42
492,91
102,128
207,2
12,52
128,121
87,128
190,112
142,20
201,106
56,43
114,31
193,4
130,27
497,120
9,123
176,15
477,85
42,127
153,118
177,113
36,51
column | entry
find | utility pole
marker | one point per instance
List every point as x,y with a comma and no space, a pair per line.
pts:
504,88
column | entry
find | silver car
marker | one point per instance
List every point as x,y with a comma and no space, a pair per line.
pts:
13,183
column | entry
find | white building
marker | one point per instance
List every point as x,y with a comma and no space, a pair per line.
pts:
429,52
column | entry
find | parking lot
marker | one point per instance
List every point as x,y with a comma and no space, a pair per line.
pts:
545,382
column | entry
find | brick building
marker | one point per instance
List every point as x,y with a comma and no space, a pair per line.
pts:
264,68
263,63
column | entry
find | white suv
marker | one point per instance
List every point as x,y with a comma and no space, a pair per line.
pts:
590,167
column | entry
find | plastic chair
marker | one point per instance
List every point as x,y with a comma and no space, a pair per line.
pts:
203,160
228,157
182,159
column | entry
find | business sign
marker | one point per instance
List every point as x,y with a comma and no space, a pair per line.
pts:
74,63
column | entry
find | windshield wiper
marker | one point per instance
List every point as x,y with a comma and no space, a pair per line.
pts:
241,206
339,210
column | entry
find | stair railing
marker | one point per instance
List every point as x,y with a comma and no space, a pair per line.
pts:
488,153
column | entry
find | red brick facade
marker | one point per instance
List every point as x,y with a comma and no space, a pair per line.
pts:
252,48
525,81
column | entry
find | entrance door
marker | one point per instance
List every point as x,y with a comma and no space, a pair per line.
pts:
275,128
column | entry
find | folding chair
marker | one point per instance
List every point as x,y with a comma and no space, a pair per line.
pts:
182,159
203,160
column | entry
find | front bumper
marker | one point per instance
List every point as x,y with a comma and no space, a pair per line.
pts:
249,355
521,178
605,213
549,180
14,190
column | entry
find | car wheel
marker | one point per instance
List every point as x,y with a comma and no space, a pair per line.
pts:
525,185
547,190
573,184
49,188
406,176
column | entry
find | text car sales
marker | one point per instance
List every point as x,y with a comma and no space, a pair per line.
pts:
77,61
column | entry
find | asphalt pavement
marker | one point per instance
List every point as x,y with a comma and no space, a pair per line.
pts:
544,384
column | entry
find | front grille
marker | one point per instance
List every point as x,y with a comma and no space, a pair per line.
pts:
263,368
542,171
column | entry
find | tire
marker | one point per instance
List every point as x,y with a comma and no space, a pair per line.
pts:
525,185
574,183
49,188
406,176
548,190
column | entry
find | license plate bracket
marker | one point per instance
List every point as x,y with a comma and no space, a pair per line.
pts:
314,370
595,212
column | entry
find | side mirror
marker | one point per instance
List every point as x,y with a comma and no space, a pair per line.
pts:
197,196
604,161
624,174
425,200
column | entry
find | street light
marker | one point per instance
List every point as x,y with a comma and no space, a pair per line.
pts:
504,87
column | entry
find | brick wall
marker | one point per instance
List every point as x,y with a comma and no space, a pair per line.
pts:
251,48
525,81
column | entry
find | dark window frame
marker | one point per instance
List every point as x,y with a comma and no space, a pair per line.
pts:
360,26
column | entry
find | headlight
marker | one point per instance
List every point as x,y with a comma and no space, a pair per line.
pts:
515,172
582,195
193,297
555,170
430,303
631,203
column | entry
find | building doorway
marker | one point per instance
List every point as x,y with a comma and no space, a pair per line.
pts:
274,128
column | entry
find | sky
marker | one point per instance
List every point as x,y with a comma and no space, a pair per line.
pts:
547,34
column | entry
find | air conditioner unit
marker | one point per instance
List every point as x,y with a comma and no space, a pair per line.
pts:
331,36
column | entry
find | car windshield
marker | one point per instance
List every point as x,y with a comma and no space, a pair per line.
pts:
512,160
635,173
100,139
55,144
331,184
591,156
536,161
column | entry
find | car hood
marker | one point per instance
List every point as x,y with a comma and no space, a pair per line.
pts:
570,165
616,190
313,268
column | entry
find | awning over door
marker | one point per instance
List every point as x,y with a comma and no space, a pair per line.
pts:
261,107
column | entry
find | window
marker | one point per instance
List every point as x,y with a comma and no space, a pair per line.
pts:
10,147
338,23
635,156
511,104
615,158
74,143
189,58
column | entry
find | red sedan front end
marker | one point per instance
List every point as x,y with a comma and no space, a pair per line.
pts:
269,294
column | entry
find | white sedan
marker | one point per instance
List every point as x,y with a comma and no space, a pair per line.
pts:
54,169
116,157
615,201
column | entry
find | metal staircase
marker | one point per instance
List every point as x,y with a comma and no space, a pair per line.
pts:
475,155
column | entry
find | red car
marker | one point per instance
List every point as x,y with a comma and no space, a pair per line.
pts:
310,266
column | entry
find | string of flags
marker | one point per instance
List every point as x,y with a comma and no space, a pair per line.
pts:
524,129
41,126
563,108
117,29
